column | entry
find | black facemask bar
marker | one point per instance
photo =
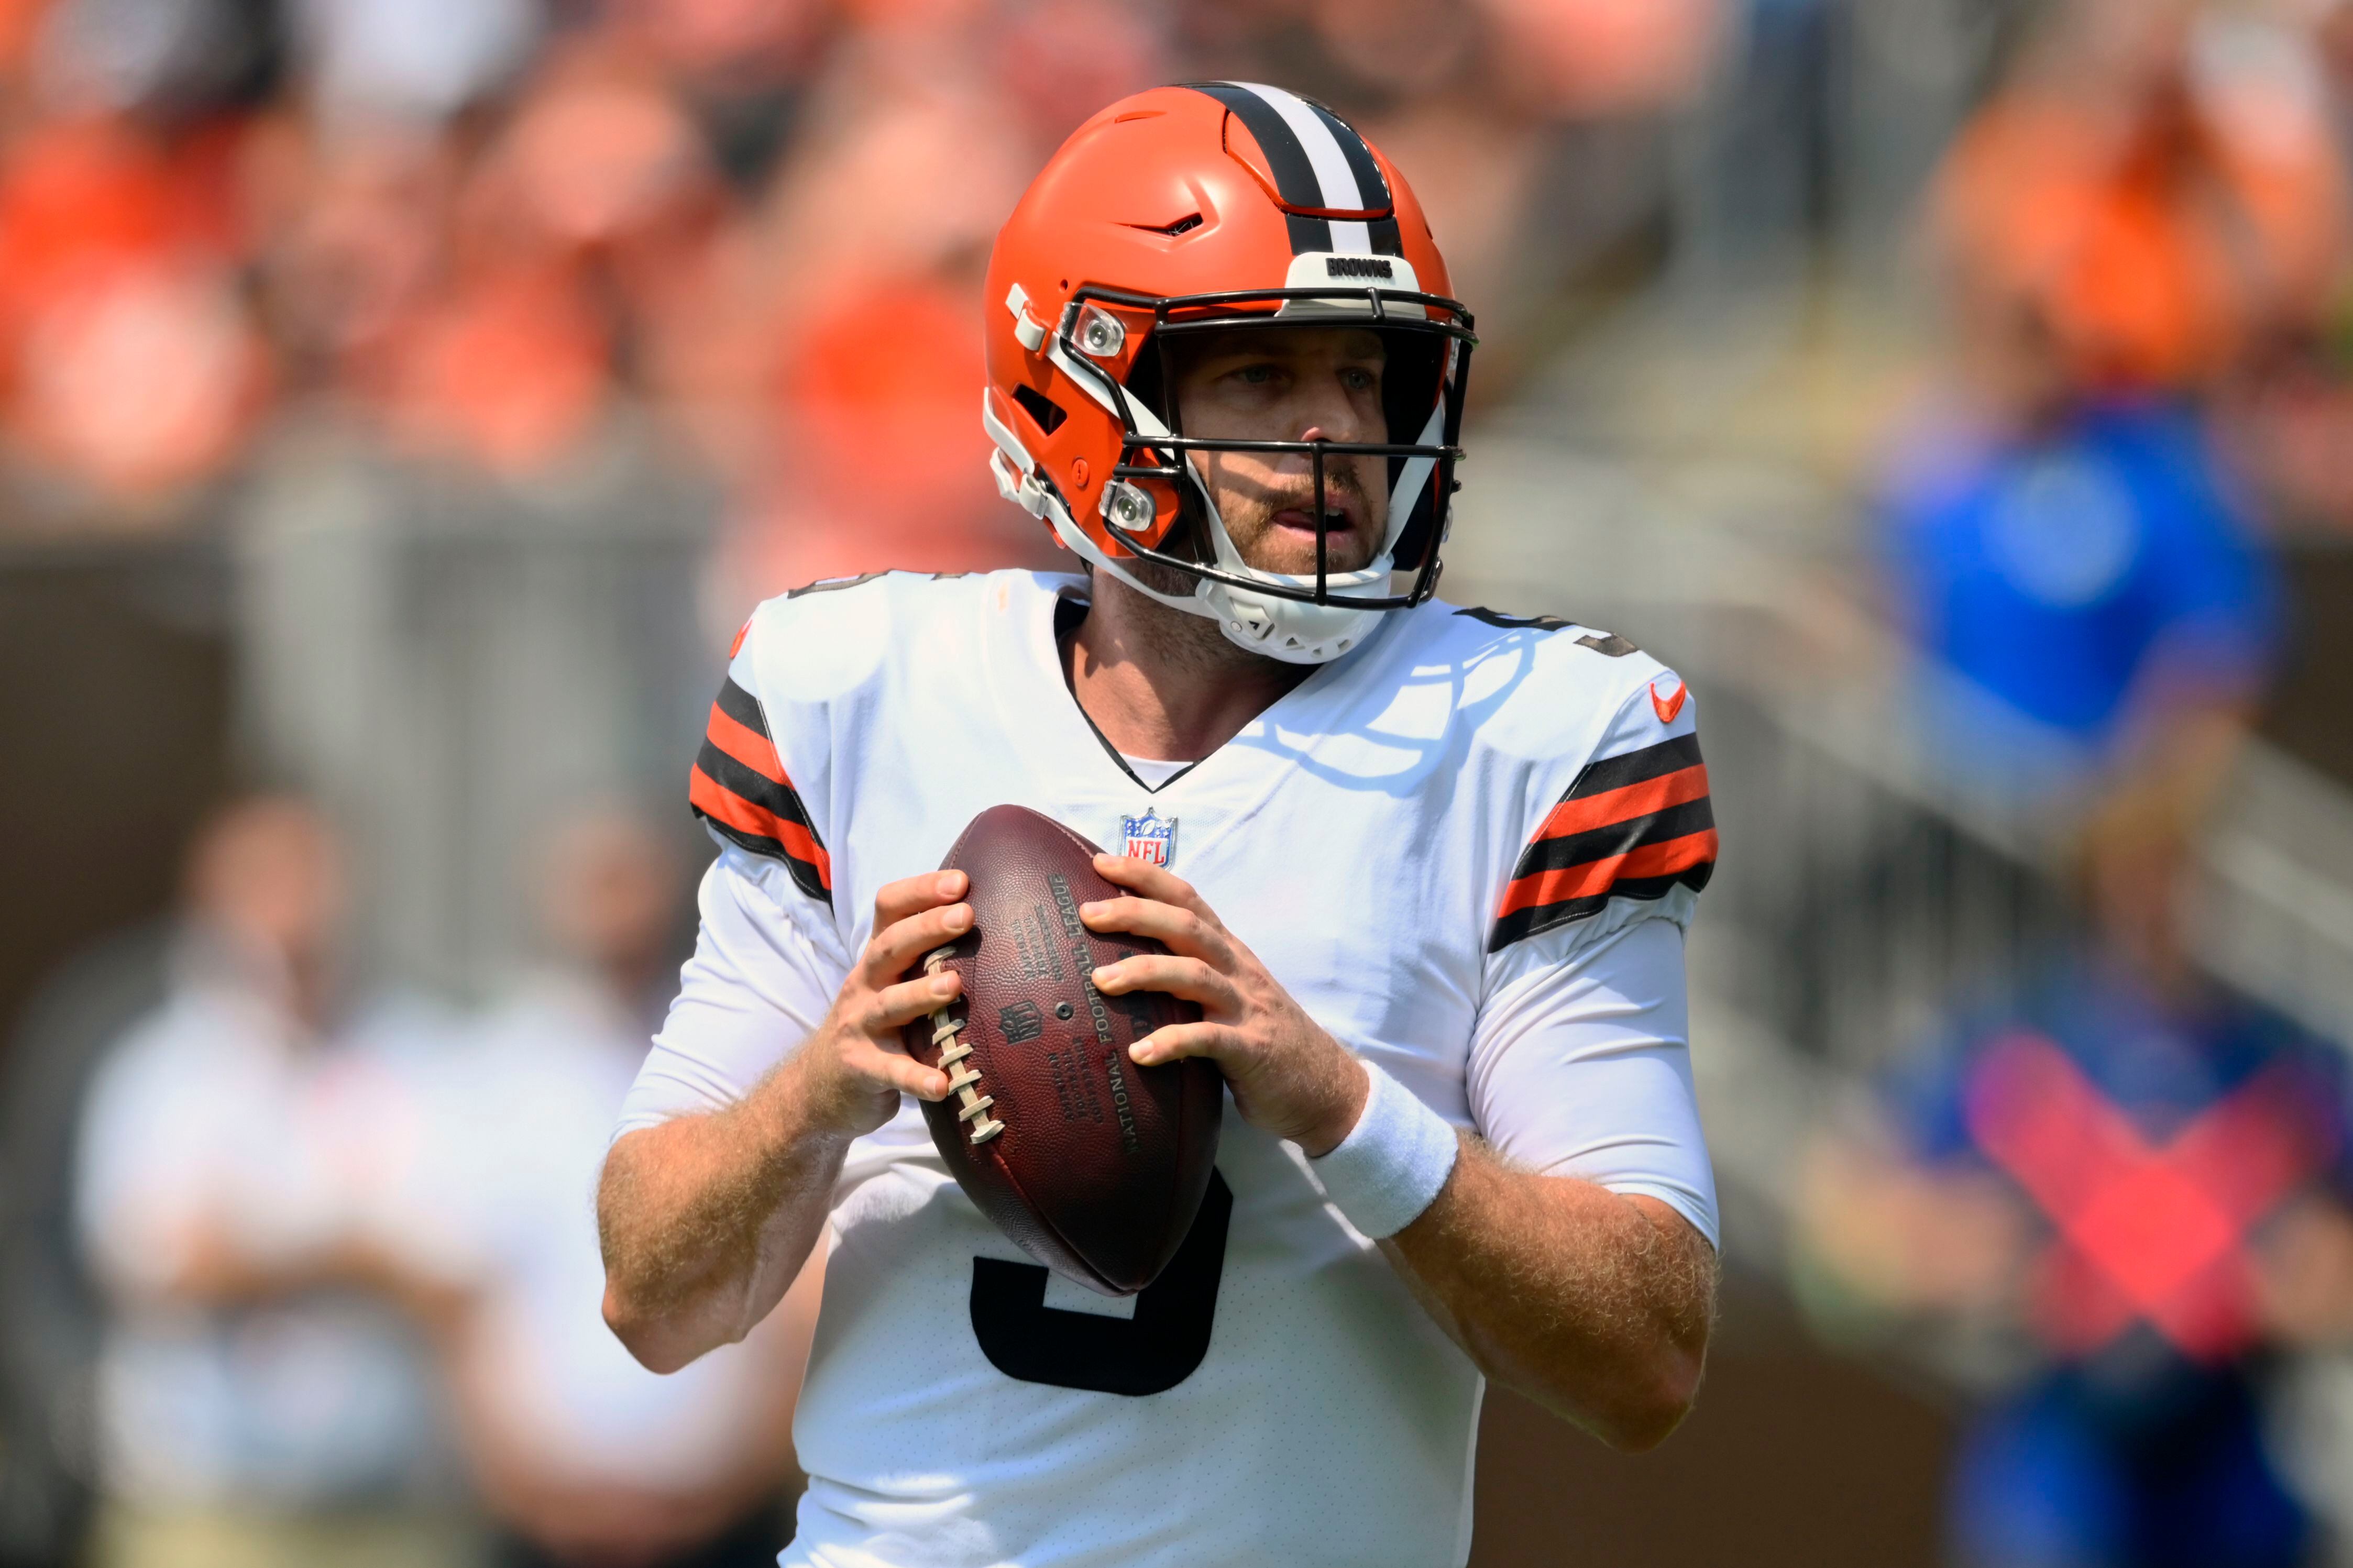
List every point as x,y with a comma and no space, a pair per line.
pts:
1425,526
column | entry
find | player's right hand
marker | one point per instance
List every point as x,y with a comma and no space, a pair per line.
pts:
853,1069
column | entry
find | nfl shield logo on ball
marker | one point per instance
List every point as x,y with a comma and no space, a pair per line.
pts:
1149,840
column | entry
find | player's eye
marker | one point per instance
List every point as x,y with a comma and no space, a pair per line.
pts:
1257,374
1358,380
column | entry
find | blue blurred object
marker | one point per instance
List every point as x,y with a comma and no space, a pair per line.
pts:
2042,1483
2138,1445
2074,577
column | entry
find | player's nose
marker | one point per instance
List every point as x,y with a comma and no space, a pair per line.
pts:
1341,427
1294,466
1327,409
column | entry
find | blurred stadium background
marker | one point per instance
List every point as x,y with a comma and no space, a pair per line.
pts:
401,401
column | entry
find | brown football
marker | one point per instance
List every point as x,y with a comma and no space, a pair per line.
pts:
1092,1165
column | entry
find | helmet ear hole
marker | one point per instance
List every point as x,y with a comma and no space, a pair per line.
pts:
1048,413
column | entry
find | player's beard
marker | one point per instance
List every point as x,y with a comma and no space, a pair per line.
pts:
1194,641
1249,522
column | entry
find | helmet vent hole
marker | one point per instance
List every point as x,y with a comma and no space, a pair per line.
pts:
1048,413
1184,225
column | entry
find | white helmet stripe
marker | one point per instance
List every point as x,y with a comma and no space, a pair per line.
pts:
1333,174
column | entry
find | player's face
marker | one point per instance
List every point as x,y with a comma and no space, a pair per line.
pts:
1296,383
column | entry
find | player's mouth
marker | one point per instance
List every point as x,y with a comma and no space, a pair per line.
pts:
1338,522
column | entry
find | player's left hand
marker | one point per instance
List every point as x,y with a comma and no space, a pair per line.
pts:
1289,1076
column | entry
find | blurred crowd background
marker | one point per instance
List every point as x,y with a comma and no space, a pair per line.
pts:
402,399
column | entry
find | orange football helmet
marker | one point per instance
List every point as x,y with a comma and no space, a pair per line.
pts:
1217,206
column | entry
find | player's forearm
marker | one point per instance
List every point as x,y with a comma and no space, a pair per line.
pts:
1596,1305
706,1220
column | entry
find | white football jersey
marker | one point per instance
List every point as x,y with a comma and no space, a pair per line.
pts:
1469,847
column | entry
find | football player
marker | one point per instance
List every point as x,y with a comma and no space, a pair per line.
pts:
1426,869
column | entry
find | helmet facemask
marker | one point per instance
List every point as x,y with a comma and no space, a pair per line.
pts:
1298,617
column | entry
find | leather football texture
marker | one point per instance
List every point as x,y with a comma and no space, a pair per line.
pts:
1091,1164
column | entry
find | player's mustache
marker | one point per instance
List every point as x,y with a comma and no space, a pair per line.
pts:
1339,480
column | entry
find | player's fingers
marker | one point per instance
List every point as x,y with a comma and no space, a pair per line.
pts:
894,1070
1183,930
1150,881
897,947
894,1007
1174,974
1175,1041
912,895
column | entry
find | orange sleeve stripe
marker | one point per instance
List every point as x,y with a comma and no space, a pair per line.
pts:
1623,805
747,746
1595,877
725,805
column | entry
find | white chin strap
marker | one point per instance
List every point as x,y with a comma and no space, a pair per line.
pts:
1291,630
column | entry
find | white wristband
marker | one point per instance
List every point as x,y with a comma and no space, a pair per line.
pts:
1391,1165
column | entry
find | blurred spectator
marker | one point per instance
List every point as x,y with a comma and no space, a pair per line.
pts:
350,242
2147,1180
176,59
2063,539
1587,59
2097,614
880,384
115,272
482,226
2133,1183
409,59
581,1454
582,231
861,446
2293,423
2157,186
260,1401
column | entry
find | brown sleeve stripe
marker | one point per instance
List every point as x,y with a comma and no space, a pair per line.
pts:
743,707
1632,827
1531,921
776,797
1600,844
763,833
1610,773
749,747
1595,879
739,787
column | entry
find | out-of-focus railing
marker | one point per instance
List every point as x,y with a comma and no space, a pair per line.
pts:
2275,918
455,663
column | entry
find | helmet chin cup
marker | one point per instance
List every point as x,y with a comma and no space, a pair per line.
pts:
1278,627
1286,629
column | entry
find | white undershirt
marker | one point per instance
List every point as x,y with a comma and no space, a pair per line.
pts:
1152,773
